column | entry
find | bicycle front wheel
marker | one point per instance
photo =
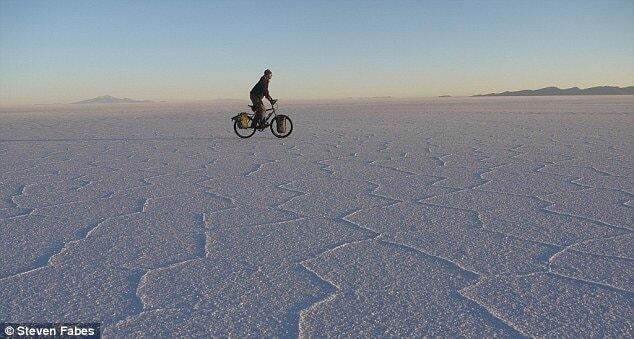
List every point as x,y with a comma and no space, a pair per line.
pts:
288,123
243,132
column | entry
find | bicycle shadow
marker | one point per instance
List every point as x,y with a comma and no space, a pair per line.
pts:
117,139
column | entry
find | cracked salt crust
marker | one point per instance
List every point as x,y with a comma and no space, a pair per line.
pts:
460,218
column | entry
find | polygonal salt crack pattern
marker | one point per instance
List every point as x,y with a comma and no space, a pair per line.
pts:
433,218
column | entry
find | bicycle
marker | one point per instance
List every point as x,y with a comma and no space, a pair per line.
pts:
281,125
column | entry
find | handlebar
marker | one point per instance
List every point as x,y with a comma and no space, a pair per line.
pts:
273,105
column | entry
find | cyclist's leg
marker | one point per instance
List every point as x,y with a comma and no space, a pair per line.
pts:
258,107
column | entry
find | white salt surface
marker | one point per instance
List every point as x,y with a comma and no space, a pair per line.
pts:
447,217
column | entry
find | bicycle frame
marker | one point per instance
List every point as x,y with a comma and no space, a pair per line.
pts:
272,111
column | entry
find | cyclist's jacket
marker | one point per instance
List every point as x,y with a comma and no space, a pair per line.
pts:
261,89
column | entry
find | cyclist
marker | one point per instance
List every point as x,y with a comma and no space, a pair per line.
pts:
259,91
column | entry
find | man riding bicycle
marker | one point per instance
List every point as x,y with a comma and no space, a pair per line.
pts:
259,91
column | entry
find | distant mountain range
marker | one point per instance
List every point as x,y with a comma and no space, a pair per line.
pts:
600,90
107,99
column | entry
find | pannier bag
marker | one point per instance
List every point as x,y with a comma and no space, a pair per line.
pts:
243,120
281,124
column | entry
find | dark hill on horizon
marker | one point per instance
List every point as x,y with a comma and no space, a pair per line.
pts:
600,90
108,99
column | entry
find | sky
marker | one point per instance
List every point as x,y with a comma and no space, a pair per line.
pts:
65,51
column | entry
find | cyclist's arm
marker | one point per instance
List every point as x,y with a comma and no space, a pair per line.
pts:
266,91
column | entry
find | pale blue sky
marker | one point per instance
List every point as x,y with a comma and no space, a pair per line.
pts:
62,51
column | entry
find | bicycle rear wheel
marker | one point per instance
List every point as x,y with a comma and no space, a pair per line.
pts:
289,126
243,132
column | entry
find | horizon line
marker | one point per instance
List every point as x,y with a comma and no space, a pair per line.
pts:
150,101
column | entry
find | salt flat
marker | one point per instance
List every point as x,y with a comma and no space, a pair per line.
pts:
440,217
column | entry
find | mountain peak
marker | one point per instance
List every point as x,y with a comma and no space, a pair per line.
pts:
109,99
599,90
